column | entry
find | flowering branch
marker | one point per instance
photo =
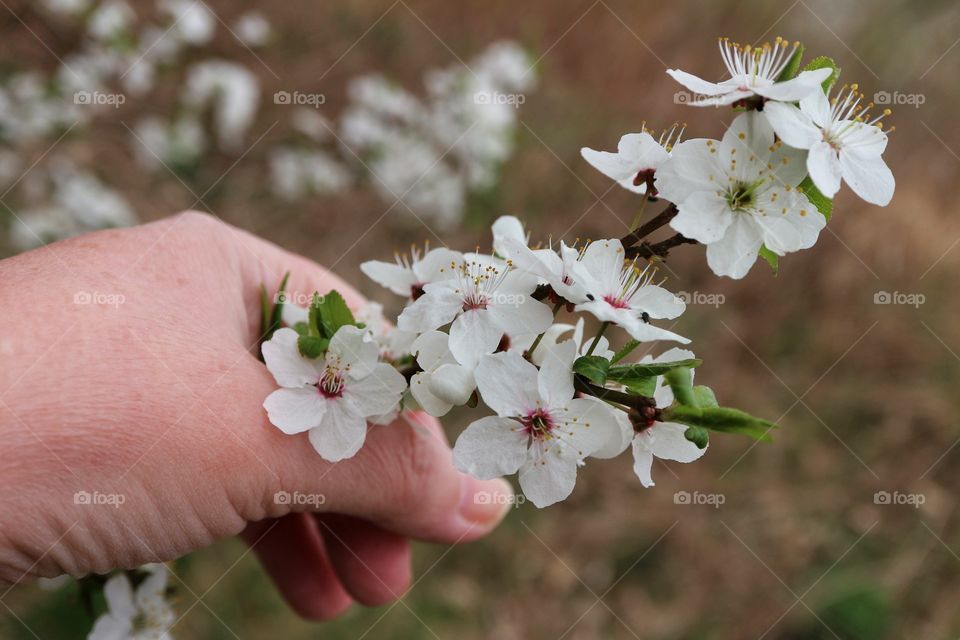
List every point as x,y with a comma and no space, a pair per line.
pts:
476,326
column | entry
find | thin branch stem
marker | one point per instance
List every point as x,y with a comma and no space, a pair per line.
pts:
596,338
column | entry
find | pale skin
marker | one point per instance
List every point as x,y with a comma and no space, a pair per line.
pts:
129,369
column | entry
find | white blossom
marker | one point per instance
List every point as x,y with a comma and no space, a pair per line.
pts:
664,440
331,397
621,293
739,194
408,275
143,614
753,71
540,430
843,139
636,160
484,300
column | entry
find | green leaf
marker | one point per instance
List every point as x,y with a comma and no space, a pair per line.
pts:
681,383
640,386
792,69
698,436
302,329
723,419
823,204
265,310
335,312
705,397
314,320
772,259
277,315
647,369
593,368
624,351
824,62
312,346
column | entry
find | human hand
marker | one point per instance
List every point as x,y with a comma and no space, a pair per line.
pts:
130,374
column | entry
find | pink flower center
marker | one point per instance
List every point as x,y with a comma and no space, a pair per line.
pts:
616,303
330,384
474,301
538,423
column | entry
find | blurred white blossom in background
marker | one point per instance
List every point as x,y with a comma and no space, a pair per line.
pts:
425,153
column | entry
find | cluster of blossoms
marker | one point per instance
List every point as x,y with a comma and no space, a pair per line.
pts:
483,326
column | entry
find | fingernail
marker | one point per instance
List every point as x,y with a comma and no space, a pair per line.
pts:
484,502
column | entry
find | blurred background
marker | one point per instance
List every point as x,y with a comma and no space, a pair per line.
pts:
348,130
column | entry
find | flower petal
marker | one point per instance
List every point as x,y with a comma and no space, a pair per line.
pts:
394,277
432,349
475,333
350,348
735,253
548,479
428,401
522,315
657,302
555,380
377,393
436,265
642,462
585,426
453,383
601,265
824,167
491,447
507,384
868,175
703,216
792,125
668,443
697,85
617,439
433,309
341,434
692,167
295,410
507,228
798,88
284,362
